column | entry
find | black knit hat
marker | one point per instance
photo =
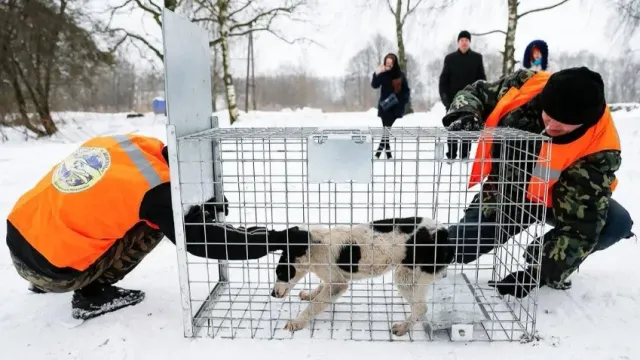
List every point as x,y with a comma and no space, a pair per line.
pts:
574,96
464,34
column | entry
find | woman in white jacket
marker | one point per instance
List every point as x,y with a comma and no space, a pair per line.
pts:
536,57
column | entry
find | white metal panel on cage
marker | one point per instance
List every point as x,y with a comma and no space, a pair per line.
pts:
187,61
350,148
188,98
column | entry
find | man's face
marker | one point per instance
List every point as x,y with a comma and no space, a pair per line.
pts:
463,44
555,128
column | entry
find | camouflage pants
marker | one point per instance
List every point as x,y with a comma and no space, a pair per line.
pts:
111,267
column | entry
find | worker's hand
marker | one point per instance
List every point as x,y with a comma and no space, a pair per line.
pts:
213,206
517,284
462,121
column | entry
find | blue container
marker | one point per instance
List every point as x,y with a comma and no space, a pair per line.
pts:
159,106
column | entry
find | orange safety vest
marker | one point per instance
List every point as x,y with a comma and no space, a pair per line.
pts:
602,136
88,201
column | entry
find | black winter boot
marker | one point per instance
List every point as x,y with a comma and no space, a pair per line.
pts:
98,299
564,286
35,289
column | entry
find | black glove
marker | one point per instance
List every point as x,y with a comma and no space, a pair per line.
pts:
445,101
508,286
214,208
462,121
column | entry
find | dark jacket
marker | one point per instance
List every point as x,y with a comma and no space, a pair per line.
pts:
384,81
580,197
459,70
156,207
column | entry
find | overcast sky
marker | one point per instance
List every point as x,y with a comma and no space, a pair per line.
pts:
342,27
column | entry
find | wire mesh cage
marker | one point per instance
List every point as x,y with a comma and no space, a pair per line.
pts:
332,182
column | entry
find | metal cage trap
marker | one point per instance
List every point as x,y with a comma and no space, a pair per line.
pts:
329,178
281,177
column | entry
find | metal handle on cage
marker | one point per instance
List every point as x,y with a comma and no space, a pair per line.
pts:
359,138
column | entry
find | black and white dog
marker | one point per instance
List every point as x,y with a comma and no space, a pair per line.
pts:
416,247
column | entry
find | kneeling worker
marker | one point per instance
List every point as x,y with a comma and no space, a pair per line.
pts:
94,216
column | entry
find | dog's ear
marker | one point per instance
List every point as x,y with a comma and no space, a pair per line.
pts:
441,236
285,270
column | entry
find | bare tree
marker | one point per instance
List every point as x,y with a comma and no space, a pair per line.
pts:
43,46
626,17
152,8
508,53
239,18
225,18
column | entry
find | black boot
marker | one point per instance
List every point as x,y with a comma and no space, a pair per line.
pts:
566,285
35,289
98,299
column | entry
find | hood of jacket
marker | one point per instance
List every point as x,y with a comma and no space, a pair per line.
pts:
528,51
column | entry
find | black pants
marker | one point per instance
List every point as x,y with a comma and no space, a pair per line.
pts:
387,122
473,240
452,146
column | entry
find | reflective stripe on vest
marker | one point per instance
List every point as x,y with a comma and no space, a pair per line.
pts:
548,168
90,199
139,160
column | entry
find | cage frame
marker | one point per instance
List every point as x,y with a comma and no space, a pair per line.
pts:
191,321
188,109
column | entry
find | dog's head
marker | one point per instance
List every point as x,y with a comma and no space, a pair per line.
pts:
293,264
430,246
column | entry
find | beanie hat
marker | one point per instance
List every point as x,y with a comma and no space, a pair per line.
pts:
464,34
574,96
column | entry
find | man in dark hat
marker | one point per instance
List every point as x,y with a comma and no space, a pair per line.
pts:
461,68
570,108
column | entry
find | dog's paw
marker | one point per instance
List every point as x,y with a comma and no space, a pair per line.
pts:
399,329
305,295
295,325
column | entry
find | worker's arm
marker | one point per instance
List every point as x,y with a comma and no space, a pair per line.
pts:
471,106
209,239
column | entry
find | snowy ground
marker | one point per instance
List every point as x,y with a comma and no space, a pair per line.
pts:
595,319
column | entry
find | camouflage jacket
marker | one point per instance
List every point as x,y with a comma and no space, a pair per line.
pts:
580,197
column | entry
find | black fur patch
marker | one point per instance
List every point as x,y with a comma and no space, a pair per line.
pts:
431,252
285,271
404,225
349,258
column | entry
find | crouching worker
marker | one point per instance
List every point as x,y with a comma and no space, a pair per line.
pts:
94,216
569,107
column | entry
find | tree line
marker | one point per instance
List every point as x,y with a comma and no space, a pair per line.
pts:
55,56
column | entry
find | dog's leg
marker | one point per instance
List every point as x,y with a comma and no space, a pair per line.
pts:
308,296
412,285
328,294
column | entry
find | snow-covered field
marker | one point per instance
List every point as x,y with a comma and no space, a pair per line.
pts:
593,320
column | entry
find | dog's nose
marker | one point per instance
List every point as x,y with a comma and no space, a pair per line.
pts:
273,293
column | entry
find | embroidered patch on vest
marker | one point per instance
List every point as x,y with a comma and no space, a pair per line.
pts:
81,170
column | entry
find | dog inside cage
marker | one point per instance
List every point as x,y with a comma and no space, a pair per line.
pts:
343,254
396,250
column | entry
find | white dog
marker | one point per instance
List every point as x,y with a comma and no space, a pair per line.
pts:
417,247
